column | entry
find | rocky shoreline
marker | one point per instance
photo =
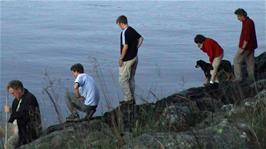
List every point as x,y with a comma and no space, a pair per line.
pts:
231,115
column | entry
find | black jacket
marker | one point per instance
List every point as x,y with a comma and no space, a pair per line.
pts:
28,117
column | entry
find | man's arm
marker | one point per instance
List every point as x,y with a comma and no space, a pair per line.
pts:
76,90
22,113
244,44
242,49
246,34
124,51
140,41
7,109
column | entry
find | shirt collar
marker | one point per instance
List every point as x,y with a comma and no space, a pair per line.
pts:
245,20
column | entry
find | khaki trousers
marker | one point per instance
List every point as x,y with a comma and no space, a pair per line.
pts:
248,57
215,64
127,78
75,104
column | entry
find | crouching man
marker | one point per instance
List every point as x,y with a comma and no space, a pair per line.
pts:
86,95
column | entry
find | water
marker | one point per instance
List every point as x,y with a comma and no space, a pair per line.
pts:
47,36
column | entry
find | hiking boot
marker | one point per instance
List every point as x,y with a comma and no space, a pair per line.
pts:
72,117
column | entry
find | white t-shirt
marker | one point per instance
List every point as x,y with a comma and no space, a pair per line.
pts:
88,89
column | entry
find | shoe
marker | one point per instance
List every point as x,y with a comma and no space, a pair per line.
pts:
128,102
73,117
88,116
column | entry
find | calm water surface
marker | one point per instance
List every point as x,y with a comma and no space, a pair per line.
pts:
39,38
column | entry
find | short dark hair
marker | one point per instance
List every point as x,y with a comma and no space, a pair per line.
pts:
199,38
121,19
241,12
15,84
77,68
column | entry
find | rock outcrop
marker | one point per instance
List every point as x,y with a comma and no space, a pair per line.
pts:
229,115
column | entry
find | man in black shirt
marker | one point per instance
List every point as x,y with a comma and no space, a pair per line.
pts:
25,112
130,41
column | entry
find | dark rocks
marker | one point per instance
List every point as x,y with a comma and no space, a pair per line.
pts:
229,115
94,134
220,136
260,66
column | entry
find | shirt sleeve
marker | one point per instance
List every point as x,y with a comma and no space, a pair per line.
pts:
210,53
209,47
79,80
131,34
247,31
137,35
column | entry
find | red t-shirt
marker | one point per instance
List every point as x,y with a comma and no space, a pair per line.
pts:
212,48
248,34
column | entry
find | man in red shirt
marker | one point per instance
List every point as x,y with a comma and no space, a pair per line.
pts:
213,50
247,45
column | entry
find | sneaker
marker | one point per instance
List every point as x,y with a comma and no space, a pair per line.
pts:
216,81
72,117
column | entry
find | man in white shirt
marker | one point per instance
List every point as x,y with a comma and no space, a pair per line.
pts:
86,94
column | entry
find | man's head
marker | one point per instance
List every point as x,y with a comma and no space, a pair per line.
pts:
76,69
241,14
15,88
199,39
121,21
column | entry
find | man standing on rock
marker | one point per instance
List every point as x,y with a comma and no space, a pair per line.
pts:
130,41
247,46
25,113
86,94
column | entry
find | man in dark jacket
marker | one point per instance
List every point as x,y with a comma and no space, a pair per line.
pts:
25,112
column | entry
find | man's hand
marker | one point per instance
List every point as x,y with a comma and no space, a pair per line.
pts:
81,98
241,51
120,62
7,109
